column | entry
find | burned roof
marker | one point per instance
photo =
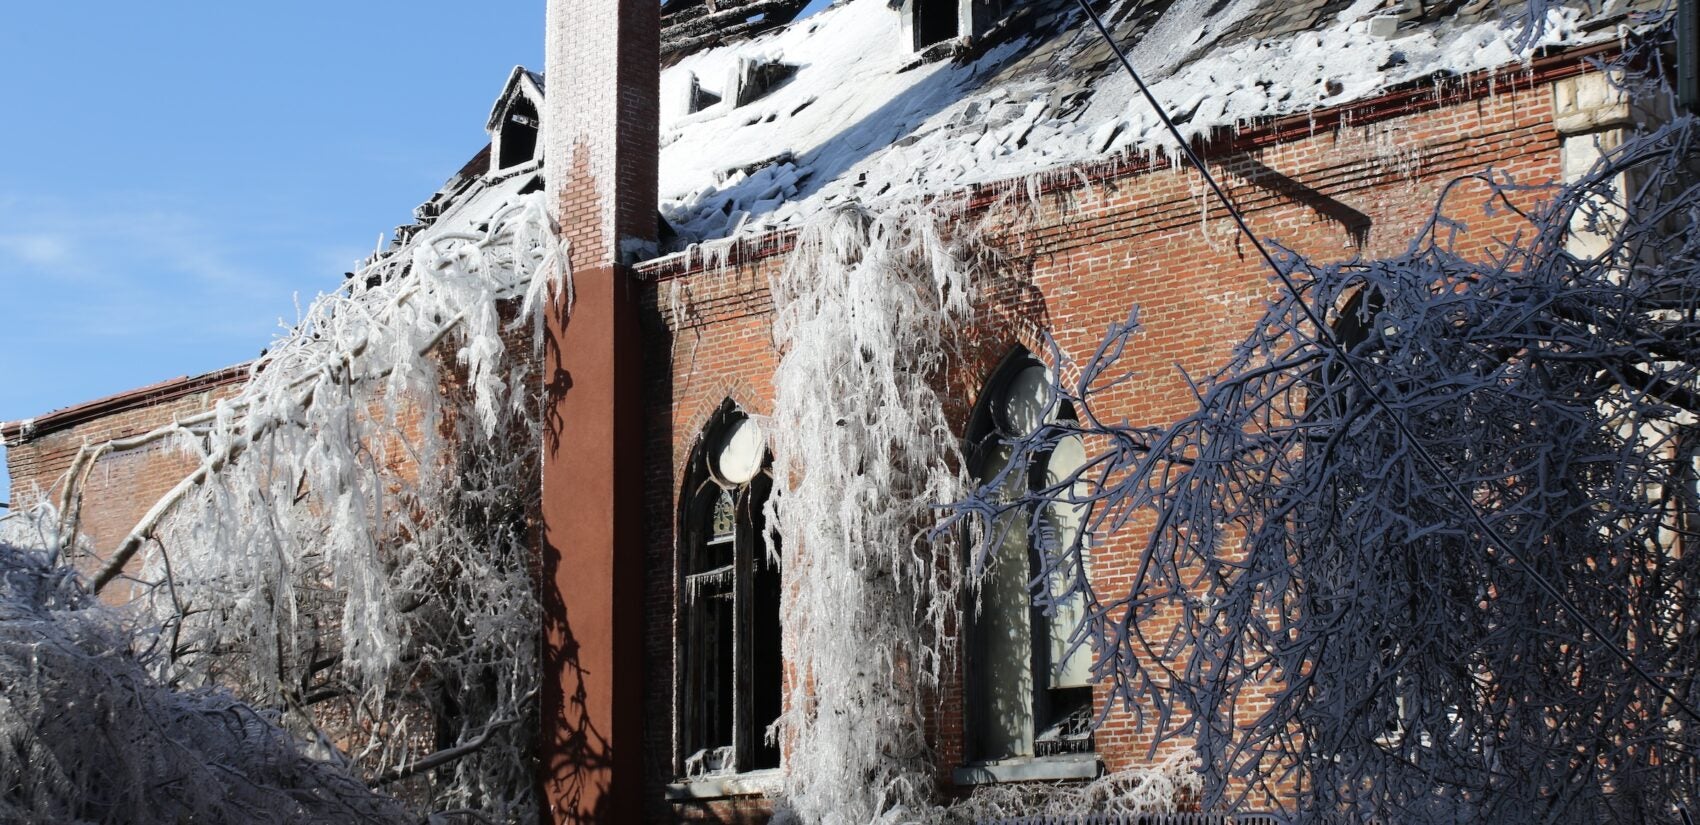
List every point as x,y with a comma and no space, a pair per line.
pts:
692,25
771,126
765,125
840,110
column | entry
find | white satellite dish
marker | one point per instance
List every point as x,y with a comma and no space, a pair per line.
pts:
738,452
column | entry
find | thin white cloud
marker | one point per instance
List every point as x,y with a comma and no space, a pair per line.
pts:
118,246
75,272
44,249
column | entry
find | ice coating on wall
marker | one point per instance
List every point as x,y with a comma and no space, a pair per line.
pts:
866,310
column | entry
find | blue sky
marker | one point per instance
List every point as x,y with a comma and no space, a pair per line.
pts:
172,174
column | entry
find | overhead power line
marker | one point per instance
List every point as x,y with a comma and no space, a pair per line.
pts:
1326,336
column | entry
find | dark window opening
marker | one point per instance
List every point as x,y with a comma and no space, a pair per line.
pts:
766,676
1028,684
935,22
700,98
519,134
1334,394
729,639
1069,713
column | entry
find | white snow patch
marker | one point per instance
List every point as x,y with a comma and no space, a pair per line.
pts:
852,126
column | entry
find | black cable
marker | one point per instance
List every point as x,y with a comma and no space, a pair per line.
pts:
1326,335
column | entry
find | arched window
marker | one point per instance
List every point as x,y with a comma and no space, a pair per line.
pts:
728,629
1333,394
1029,690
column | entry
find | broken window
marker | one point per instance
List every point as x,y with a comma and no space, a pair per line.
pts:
729,639
934,21
698,98
518,139
1029,688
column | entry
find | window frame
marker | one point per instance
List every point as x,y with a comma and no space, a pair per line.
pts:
1045,707
751,567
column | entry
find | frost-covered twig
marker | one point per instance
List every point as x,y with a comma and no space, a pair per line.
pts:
867,310
1313,565
88,735
362,502
1164,788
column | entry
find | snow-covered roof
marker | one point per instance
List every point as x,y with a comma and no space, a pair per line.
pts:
520,79
861,118
839,110
759,134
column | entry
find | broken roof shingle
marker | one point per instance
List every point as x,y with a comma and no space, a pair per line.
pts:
692,25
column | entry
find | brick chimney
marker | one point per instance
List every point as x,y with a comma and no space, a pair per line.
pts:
600,122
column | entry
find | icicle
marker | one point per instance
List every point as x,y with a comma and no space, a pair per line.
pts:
867,313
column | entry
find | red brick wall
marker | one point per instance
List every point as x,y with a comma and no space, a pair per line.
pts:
1075,264
600,127
122,486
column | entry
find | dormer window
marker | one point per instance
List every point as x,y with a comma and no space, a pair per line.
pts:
514,124
934,21
698,98
519,134
928,24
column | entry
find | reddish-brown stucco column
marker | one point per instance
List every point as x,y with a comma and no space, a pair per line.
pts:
599,125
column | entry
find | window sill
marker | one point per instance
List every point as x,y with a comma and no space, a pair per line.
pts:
1075,766
949,48
500,174
751,783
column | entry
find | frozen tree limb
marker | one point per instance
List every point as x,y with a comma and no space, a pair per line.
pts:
87,735
447,755
1417,668
358,507
866,312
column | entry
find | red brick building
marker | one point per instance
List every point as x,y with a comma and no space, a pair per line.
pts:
1332,125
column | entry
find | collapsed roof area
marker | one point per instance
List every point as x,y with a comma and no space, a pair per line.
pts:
765,123
691,25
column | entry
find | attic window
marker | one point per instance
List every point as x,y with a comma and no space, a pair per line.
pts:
519,134
699,98
755,77
934,21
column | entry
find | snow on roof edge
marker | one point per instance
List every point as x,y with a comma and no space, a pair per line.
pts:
1394,101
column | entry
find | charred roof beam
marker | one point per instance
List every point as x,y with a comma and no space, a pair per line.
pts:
693,25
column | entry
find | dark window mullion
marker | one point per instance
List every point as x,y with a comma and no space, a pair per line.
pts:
742,739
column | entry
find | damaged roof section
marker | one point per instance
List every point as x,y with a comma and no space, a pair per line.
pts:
866,117
692,25
767,119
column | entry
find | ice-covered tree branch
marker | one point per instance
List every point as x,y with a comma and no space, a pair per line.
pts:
352,543
90,735
1425,656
